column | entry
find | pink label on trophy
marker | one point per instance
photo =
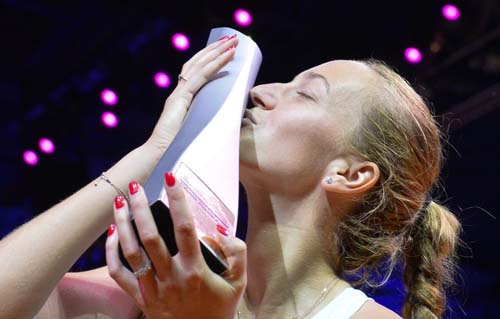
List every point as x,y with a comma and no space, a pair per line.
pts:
207,209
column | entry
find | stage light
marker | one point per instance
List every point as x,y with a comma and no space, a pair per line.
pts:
46,145
162,80
30,158
413,55
109,97
180,42
109,119
242,18
451,12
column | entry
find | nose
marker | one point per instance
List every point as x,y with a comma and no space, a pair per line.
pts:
264,96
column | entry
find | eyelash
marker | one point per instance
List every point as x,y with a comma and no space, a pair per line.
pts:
305,95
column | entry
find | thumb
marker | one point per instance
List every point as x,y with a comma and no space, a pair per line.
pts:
235,251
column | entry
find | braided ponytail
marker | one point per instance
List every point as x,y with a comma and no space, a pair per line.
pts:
398,132
428,256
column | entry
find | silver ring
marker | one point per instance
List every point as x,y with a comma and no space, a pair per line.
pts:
143,270
181,77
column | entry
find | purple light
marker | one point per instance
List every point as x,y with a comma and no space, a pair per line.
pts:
451,12
109,97
30,158
242,18
413,55
109,119
46,145
162,80
180,42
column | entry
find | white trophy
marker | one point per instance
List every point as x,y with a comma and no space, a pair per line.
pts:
204,156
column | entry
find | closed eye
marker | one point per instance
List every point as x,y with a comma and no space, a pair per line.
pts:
307,96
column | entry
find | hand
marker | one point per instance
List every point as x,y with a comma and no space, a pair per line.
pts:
196,73
181,286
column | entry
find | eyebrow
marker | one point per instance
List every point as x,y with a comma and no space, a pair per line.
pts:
314,75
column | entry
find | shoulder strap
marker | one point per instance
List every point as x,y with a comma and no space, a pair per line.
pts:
344,305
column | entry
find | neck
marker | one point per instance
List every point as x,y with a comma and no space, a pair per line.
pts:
288,267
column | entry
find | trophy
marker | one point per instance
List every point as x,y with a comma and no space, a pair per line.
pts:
204,155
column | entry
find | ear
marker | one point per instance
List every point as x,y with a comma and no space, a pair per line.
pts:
350,176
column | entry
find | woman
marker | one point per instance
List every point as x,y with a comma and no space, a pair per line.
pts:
337,165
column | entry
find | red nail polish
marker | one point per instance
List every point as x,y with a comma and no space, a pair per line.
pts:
119,201
233,36
221,229
230,48
224,38
111,229
133,187
170,179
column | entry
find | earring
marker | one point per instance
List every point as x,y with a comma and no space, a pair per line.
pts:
329,180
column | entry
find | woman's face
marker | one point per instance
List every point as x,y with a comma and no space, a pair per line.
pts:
299,126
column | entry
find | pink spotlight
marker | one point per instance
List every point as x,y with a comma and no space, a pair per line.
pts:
30,158
109,97
413,55
451,12
46,145
242,18
180,42
109,119
162,80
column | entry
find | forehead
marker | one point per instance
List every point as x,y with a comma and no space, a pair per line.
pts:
344,72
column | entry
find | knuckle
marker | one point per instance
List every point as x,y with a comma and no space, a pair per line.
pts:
171,288
150,238
186,229
176,194
114,271
136,202
193,278
240,246
109,247
133,254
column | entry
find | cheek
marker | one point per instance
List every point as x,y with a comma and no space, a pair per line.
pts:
293,143
300,131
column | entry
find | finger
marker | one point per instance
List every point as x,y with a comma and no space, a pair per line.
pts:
178,102
200,54
227,45
184,226
148,232
235,251
197,75
128,240
134,254
123,277
208,66
203,51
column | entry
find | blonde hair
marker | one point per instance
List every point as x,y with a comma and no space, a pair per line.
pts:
394,221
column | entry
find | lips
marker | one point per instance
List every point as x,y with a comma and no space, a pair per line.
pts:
249,115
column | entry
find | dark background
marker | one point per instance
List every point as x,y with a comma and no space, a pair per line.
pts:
57,56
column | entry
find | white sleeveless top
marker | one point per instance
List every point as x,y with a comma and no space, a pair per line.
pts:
344,305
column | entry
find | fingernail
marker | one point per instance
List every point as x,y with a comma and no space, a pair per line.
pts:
133,187
233,36
221,229
111,229
119,201
230,48
224,38
170,179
